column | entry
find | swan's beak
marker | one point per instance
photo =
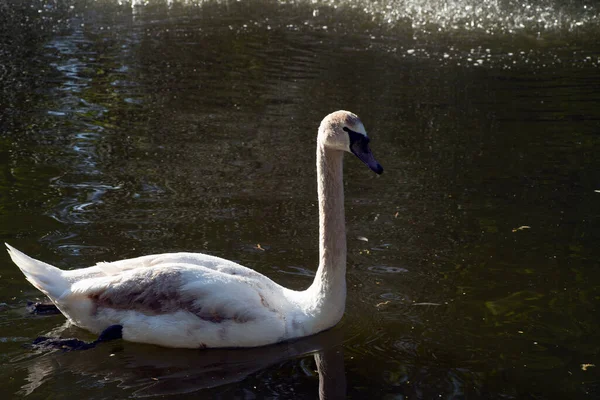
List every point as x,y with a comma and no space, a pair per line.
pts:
360,148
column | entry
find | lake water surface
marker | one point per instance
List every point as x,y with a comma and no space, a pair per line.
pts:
161,126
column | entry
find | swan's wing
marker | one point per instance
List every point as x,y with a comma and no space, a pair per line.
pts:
174,303
172,287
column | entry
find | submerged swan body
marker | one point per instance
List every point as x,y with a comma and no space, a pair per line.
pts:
195,300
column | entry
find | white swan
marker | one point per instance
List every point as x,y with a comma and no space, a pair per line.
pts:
195,300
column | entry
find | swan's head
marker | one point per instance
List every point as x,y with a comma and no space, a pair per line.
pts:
342,130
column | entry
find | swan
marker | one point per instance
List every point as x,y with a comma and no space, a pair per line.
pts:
192,300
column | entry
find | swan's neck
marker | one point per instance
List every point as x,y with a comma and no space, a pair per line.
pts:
329,287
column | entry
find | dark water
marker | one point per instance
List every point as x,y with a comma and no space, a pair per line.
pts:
167,126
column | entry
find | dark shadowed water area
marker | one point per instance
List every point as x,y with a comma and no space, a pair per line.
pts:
473,261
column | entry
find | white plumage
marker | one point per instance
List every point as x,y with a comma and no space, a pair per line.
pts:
195,300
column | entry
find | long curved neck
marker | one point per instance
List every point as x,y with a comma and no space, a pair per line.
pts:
329,285
332,223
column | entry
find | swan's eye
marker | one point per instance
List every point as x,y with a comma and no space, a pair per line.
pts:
346,129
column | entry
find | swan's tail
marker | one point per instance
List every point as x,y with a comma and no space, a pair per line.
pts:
50,280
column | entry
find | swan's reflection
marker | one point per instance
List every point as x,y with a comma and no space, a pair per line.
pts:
144,370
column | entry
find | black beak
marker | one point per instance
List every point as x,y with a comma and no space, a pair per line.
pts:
359,146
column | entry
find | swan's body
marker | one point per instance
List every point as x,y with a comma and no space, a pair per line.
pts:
196,300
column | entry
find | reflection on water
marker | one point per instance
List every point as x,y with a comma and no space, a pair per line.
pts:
129,129
149,371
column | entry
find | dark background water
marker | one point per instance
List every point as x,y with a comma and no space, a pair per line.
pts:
128,130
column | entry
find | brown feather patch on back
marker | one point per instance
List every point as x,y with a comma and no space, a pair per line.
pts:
152,292
155,292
